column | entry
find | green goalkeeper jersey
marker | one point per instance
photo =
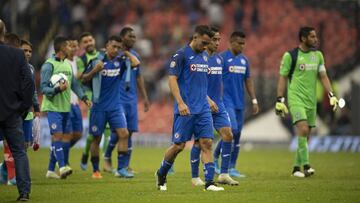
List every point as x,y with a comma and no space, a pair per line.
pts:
302,86
61,101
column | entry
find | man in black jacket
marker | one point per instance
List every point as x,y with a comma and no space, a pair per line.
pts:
17,88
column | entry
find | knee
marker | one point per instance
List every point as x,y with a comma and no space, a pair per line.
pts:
96,140
227,135
206,144
179,147
304,131
123,133
197,144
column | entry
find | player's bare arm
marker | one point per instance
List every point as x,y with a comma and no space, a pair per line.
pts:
251,92
88,76
174,88
327,86
133,60
141,85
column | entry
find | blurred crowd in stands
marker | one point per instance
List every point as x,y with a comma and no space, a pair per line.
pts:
163,26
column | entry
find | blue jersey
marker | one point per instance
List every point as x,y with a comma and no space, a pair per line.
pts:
236,71
191,69
131,95
110,85
215,87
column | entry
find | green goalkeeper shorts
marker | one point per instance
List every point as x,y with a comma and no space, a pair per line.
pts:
299,113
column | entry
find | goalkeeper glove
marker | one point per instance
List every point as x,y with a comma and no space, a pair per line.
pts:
333,100
280,107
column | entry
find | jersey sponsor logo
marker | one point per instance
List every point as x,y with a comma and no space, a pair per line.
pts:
237,69
53,126
242,61
111,72
199,67
302,67
308,67
172,64
215,71
218,61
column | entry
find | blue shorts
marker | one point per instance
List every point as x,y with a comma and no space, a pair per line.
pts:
59,122
76,118
98,120
27,128
131,114
236,119
199,125
221,120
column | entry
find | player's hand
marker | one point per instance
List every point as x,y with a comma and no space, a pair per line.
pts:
183,109
88,103
255,109
280,107
99,66
63,86
146,105
214,108
333,101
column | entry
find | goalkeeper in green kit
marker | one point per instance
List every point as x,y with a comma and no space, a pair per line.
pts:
300,68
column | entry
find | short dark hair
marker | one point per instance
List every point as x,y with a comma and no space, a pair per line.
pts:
305,31
203,30
125,30
214,29
84,34
237,33
24,41
12,39
114,38
59,41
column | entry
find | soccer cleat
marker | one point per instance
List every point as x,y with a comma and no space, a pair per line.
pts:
160,182
3,176
52,175
225,179
217,168
107,165
297,173
12,181
235,173
83,163
65,172
211,186
308,171
124,173
197,182
96,175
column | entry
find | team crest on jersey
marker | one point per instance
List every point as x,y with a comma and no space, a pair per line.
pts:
53,126
229,60
218,61
205,58
312,57
94,128
297,115
302,67
172,64
242,61
116,64
177,135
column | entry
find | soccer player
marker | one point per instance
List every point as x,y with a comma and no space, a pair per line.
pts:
87,42
300,69
236,77
75,113
221,118
105,77
128,99
56,102
188,84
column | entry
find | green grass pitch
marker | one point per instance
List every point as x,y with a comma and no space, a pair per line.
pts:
337,179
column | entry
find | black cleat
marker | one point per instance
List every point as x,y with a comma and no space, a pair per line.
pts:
160,182
23,198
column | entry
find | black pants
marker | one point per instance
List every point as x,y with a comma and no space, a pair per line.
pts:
12,131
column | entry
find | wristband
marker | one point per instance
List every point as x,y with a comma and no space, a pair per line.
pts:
280,99
254,101
330,94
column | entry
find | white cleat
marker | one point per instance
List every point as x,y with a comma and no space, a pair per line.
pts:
162,187
52,175
298,174
65,171
214,188
225,179
197,182
311,171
